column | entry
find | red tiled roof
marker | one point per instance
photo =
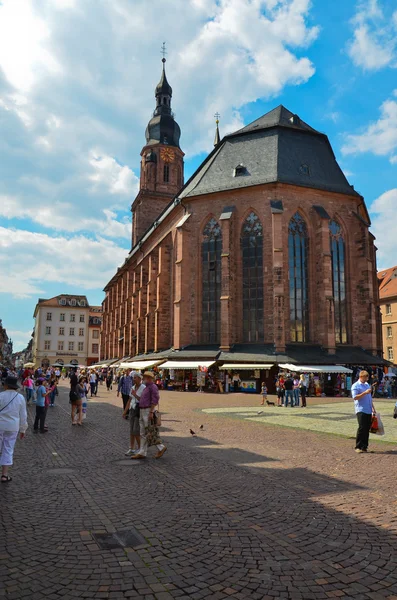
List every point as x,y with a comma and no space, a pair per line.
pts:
387,280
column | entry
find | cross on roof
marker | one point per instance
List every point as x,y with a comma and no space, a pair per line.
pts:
164,51
217,117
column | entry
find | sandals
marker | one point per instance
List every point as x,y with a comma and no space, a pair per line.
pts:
6,479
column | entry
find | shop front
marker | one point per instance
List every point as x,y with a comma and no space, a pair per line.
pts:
325,380
246,377
193,375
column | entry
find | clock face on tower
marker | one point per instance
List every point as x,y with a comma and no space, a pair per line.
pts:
167,154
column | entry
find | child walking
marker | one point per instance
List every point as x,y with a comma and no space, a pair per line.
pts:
264,393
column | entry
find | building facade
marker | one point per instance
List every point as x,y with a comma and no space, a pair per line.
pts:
94,334
266,249
388,308
62,331
6,347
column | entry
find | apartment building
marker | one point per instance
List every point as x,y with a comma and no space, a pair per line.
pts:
94,334
61,332
388,308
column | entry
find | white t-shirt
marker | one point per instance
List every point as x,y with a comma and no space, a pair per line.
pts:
138,391
92,378
13,415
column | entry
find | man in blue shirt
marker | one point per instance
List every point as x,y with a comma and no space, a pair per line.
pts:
361,393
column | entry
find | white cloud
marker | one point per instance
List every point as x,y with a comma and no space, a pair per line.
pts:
62,216
115,178
38,259
383,211
374,40
22,38
77,84
380,137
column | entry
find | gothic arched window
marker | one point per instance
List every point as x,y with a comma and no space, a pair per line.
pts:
211,250
298,257
338,281
252,255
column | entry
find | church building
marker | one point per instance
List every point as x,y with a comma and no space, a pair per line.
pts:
264,254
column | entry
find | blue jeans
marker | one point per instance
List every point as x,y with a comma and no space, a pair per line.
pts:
29,394
296,397
52,397
289,394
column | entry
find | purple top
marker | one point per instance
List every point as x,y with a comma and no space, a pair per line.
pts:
150,396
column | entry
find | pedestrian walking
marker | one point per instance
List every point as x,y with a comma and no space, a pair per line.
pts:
125,386
92,380
263,393
109,380
303,389
364,408
148,404
13,420
39,421
132,410
28,384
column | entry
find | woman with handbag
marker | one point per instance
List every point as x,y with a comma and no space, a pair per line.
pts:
13,420
132,410
149,418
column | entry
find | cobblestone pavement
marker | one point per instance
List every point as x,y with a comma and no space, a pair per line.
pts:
242,510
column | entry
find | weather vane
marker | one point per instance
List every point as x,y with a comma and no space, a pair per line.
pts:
163,52
217,117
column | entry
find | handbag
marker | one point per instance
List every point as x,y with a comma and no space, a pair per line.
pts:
157,418
374,424
73,396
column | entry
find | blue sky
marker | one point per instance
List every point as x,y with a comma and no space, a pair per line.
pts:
77,86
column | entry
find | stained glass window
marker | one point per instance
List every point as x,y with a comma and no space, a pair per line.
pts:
211,250
252,255
298,256
338,281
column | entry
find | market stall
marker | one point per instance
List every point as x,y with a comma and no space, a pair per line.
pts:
192,375
323,380
250,380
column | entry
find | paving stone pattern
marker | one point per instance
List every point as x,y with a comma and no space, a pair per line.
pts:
213,528
336,418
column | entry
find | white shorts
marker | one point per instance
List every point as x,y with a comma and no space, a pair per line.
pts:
7,443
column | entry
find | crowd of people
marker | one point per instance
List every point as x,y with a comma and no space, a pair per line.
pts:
139,393
291,388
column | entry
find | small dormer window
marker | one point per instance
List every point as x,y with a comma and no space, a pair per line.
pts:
304,170
62,301
295,120
73,302
240,171
82,302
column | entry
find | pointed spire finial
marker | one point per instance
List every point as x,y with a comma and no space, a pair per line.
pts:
163,52
217,136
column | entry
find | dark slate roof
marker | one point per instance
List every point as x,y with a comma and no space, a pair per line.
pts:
277,147
278,116
301,354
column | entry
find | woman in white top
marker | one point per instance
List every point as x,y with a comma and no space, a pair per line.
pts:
13,420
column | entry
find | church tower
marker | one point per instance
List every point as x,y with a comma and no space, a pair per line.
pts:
161,163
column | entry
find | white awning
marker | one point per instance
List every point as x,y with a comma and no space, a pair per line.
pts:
186,364
139,364
242,366
315,369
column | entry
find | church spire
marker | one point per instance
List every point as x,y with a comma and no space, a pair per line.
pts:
162,127
217,136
